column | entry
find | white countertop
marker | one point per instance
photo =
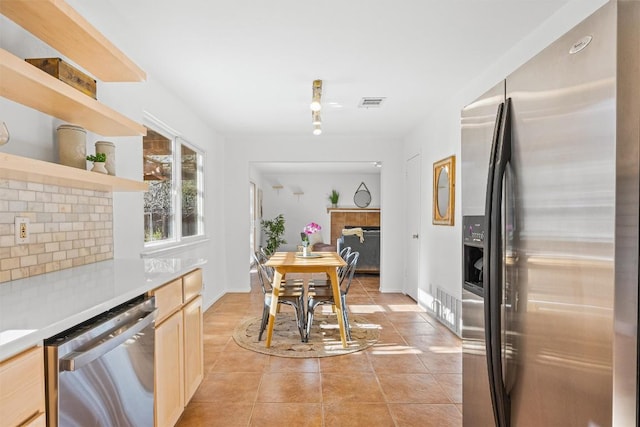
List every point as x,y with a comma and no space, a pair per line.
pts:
39,307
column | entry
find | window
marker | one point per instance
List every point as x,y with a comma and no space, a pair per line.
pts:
172,167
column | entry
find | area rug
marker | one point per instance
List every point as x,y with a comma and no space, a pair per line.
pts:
324,339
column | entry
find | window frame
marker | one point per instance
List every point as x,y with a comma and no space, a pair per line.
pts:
177,141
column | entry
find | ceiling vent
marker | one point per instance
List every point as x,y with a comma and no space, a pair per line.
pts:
371,102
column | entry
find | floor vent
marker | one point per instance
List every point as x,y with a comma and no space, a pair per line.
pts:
371,102
448,310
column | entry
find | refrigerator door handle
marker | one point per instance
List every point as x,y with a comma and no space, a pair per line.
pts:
487,265
494,291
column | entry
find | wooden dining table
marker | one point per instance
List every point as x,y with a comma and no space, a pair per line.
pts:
293,262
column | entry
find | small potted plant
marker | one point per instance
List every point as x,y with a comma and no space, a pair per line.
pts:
333,198
98,162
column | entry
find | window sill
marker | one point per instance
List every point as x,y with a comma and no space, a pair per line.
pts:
171,248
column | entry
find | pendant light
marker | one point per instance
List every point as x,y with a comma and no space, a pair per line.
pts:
317,94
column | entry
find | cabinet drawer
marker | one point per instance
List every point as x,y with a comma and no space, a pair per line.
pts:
192,283
22,391
168,299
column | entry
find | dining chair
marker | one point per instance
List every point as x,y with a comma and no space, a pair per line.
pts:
317,282
261,257
290,295
324,294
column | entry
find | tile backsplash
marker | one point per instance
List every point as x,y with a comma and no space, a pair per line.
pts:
68,227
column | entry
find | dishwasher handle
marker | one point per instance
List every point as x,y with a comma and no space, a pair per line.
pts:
77,359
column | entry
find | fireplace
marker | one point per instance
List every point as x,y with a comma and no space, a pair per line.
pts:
369,248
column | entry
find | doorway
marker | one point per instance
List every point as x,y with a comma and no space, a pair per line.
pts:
413,204
253,218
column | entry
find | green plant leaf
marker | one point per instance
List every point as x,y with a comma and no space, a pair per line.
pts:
274,230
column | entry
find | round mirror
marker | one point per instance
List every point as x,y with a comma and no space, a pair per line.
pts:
362,198
443,192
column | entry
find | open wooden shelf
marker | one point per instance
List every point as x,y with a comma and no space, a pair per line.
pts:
31,170
352,209
64,29
30,86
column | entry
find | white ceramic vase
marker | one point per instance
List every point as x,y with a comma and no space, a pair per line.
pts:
109,149
99,167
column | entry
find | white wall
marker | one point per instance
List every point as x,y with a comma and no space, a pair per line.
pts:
312,206
439,136
33,135
240,152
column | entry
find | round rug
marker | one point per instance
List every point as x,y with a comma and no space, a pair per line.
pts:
324,339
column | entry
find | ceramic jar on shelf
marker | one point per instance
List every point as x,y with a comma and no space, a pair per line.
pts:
72,146
109,149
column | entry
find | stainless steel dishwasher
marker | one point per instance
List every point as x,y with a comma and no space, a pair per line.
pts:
100,373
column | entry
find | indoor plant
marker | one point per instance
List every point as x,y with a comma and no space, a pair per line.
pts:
98,162
333,198
274,230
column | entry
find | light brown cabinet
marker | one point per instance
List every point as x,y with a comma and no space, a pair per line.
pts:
193,348
36,421
179,365
22,389
169,371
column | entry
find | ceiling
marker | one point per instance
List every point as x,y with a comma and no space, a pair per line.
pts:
246,67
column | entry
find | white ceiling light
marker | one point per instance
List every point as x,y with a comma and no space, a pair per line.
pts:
316,106
317,94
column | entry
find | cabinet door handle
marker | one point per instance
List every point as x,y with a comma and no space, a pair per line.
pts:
415,236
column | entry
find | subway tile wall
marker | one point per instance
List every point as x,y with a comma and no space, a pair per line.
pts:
68,227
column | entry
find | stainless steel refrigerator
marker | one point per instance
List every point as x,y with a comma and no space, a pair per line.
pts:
550,204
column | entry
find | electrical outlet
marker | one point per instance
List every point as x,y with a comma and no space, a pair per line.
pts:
23,233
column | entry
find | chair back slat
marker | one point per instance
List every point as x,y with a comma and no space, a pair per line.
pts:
268,271
349,270
344,252
262,275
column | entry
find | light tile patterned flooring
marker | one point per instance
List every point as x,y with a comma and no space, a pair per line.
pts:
411,377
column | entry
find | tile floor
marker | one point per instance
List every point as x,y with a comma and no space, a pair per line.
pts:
411,377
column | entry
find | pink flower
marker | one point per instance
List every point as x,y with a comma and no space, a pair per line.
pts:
311,228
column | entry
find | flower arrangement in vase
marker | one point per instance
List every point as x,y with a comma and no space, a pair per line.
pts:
308,230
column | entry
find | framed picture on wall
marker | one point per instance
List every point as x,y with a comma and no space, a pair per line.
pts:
444,180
